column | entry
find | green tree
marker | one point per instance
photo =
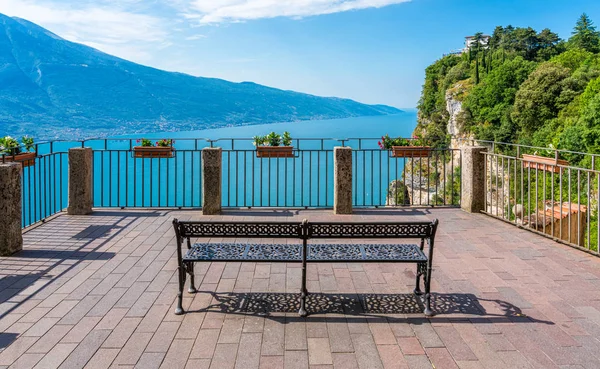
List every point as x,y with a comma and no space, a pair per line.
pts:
477,41
590,120
585,36
537,99
432,96
549,45
493,98
591,91
572,59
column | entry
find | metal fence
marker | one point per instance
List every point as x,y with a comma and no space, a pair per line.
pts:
550,192
122,180
381,179
43,186
302,181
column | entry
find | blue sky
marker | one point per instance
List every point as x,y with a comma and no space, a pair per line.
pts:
373,51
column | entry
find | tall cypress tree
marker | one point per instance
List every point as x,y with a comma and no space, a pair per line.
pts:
585,35
483,61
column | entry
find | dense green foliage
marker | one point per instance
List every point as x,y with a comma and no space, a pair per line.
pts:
523,86
530,88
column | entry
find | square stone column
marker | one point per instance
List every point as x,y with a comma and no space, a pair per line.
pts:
80,181
473,197
212,159
11,238
342,180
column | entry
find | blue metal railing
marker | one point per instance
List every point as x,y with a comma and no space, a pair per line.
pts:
305,180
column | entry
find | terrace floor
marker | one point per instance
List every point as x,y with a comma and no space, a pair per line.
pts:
98,291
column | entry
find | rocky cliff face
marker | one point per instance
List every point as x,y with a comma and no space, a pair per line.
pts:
429,182
454,108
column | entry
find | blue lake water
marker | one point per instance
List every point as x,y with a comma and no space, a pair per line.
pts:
120,180
369,127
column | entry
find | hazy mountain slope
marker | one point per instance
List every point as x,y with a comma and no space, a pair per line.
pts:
49,84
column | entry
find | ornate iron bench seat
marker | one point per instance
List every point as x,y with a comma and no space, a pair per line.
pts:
398,253
304,252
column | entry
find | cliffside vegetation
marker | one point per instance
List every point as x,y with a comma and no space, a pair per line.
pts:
523,86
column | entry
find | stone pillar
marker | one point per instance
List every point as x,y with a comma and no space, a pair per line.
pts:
342,180
473,179
11,238
80,181
211,180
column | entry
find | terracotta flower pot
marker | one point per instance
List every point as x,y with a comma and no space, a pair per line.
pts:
543,163
411,151
275,151
153,152
26,159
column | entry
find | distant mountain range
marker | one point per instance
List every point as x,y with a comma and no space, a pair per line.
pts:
53,88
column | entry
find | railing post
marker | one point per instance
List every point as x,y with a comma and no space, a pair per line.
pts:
342,180
80,181
473,196
212,159
11,238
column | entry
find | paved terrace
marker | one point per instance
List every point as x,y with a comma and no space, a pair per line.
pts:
98,292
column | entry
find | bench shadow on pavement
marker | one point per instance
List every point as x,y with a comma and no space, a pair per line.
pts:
456,306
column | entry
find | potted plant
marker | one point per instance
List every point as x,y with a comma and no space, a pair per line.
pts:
12,150
163,149
404,147
538,162
274,145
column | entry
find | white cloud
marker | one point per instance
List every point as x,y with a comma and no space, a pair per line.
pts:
105,25
195,37
217,11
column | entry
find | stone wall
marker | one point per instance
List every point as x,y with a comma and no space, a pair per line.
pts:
11,239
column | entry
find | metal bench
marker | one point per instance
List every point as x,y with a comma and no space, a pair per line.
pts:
305,252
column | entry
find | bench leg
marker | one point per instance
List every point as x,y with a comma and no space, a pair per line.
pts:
428,311
179,309
303,292
421,270
190,268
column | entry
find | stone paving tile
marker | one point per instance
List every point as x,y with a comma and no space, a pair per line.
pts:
133,349
224,356
162,338
10,354
505,298
56,356
102,358
274,337
27,361
81,329
366,351
319,352
295,360
85,350
51,338
248,355
198,364
205,344
178,354
344,361
151,360
121,333
295,333
392,357
271,362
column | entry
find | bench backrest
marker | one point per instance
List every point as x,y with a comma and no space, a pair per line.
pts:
238,229
305,230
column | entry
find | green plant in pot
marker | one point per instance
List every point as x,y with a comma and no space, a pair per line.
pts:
404,147
22,151
274,145
159,149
